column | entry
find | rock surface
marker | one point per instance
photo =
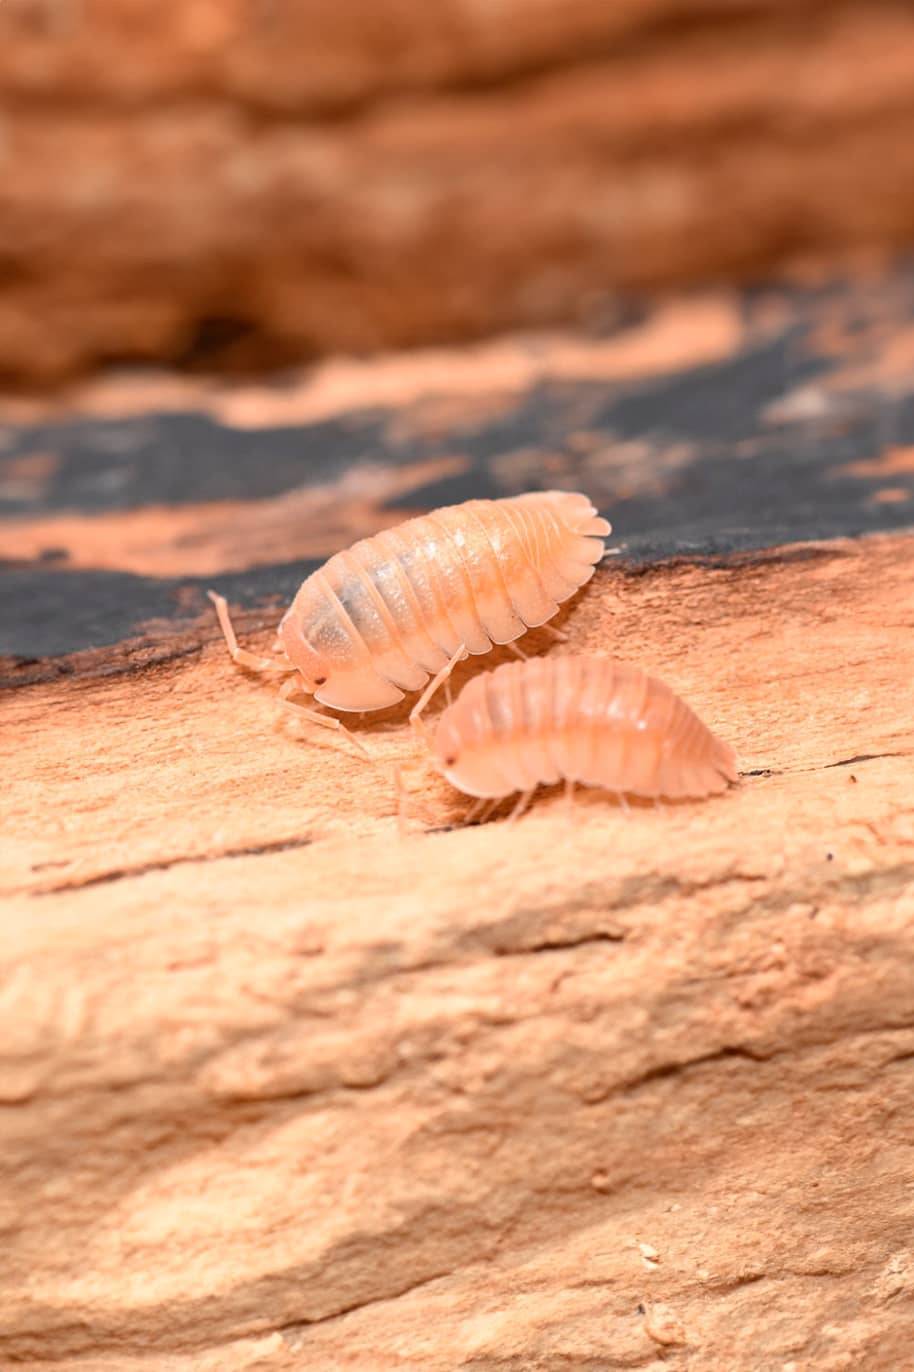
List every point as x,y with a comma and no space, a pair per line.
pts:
247,183
284,1091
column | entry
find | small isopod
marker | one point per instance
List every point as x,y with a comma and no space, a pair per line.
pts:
380,618
582,719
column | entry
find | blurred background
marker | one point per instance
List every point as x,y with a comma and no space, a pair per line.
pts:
247,184
275,275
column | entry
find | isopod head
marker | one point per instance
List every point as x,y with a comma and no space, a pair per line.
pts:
328,668
311,664
464,766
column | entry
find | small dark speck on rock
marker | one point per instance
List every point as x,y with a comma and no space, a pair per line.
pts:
853,779
830,857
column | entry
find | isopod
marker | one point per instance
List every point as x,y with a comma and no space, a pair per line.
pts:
582,719
380,618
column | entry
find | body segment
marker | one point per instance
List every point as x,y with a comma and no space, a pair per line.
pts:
579,719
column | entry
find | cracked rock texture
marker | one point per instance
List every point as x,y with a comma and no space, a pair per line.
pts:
280,1091
256,181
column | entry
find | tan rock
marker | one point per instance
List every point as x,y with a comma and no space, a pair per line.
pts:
281,1091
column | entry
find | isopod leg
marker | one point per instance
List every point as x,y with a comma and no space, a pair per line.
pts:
315,717
481,809
518,652
521,806
241,655
569,799
416,712
555,634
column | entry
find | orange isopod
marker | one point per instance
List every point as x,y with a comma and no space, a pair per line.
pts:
577,718
380,618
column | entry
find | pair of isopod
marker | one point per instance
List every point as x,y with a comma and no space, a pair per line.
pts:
396,612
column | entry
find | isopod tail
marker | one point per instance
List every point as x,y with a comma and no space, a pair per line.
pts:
581,517
581,547
713,773
724,761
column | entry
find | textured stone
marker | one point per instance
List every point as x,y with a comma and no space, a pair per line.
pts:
282,1091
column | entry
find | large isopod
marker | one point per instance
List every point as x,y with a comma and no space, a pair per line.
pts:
382,617
579,719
